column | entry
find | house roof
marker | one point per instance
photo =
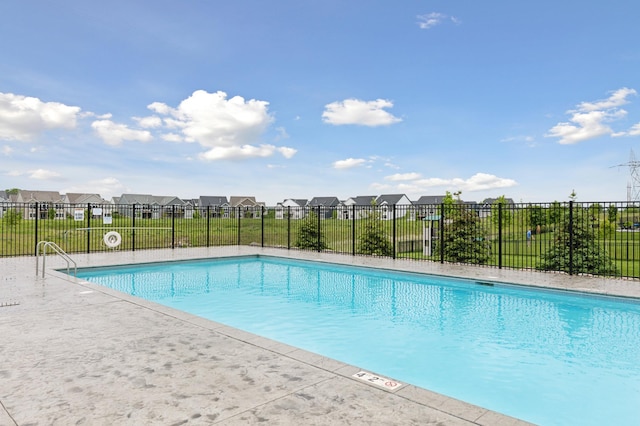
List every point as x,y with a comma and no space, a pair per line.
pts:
324,201
493,200
3,195
363,200
150,199
44,196
236,201
430,199
390,199
77,198
212,200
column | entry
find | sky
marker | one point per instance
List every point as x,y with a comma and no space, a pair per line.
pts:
304,98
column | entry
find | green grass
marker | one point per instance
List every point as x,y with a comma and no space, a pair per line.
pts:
20,239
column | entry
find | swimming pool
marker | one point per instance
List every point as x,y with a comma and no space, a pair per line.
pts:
544,356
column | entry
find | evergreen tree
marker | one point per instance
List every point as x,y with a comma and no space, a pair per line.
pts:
310,235
374,239
465,239
588,256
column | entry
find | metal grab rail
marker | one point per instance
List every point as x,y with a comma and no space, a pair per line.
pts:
58,250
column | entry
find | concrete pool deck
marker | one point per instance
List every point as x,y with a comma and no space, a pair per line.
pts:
77,353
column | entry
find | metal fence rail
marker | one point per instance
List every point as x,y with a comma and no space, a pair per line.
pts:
597,238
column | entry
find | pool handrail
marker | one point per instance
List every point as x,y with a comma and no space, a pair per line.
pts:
59,251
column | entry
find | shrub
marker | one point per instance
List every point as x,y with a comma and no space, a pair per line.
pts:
588,256
373,240
310,235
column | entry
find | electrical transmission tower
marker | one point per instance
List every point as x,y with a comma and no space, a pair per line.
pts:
633,187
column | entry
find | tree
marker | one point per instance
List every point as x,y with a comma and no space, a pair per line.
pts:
310,235
536,216
12,217
556,213
373,239
612,213
465,239
577,240
500,203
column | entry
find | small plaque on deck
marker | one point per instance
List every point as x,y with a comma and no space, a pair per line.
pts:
377,380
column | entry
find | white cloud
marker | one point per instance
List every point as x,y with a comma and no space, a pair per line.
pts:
42,174
172,137
114,134
355,111
430,20
403,176
150,122
349,163
477,182
590,119
23,118
7,150
226,128
635,130
617,99
107,187
244,152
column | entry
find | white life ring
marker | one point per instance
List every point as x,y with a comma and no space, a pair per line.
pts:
112,239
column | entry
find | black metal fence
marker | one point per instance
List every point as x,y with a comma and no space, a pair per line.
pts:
600,238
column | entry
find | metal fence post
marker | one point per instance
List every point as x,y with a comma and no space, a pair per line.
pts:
393,209
441,232
571,237
173,226
288,227
319,233
208,224
499,235
262,225
353,230
238,214
89,213
133,227
35,243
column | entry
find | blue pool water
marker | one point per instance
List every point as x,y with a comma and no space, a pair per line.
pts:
552,358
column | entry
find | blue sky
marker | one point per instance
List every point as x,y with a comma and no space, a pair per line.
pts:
296,99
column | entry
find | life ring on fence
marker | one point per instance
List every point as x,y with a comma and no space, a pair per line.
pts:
112,239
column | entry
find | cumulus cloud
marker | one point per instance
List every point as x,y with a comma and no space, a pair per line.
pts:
107,187
23,118
590,119
245,151
403,176
364,113
42,174
413,183
226,128
430,20
349,163
150,122
114,134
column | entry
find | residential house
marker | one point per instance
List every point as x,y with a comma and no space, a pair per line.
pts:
324,206
147,206
214,206
41,204
246,207
428,206
355,207
484,209
95,201
291,208
4,203
394,206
